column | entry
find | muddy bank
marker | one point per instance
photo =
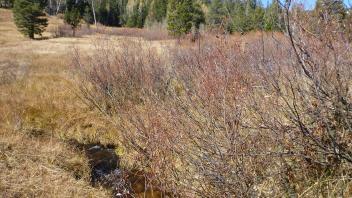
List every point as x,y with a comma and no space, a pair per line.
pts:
106,171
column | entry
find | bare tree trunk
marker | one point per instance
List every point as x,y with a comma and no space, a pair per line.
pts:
31,34
50,7
58,7
95,20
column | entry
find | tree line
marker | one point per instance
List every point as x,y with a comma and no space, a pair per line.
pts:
180,16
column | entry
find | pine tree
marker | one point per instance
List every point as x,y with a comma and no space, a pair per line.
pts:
142,14
158,10
217,14
257,17
73,18
114,13
239,21
133,16
198,19
87,16
29,17
251,6
272,18
172,17
180,17
247,15
123,12
74,13
198,16
138,15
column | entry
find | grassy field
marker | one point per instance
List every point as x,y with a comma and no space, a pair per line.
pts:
218,117
39,112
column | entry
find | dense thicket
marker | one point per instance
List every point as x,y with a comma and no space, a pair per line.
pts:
269,119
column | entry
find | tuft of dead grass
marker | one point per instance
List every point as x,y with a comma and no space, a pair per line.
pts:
45,167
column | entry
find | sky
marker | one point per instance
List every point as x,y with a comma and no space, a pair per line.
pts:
309,4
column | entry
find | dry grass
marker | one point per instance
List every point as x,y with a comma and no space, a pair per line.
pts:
42,167
147,34
7,27
39,111
216,120
186,116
